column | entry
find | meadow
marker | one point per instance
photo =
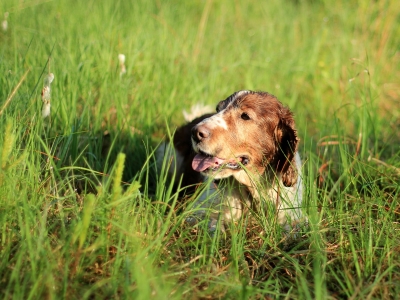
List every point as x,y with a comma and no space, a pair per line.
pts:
84,214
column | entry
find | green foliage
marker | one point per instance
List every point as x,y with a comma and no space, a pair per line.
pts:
83,212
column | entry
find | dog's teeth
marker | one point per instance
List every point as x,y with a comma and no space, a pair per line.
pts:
233,166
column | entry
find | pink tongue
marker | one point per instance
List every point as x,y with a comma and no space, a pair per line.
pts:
201,162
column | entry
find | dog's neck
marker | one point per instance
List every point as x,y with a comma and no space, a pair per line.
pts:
259,185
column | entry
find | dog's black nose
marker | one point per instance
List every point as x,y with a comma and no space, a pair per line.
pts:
200,133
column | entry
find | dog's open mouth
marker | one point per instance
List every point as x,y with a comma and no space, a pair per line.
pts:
204,162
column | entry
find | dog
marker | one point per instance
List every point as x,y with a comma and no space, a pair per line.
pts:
244,155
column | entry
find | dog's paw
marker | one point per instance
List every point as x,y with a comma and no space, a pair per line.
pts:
214,223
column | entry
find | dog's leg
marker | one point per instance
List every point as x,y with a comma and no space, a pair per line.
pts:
209,203
221,202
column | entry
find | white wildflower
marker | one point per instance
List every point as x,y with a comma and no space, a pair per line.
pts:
46,109
121,58
46,95
4,23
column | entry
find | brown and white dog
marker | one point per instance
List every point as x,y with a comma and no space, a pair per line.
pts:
245,154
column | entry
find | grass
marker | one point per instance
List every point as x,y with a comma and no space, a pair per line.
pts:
83,212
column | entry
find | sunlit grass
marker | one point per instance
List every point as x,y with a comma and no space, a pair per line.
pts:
83,212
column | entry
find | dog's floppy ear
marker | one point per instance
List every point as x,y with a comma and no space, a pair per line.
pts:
287,140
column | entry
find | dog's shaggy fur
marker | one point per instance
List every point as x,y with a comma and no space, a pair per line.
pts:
249,150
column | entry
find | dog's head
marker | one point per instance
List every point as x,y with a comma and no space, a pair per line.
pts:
250,130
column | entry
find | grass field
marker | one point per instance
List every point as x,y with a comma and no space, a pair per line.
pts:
84,215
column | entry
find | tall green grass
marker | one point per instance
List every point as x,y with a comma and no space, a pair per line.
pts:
83,212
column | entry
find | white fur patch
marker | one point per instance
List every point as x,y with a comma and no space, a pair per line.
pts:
241,93
196,111
215,121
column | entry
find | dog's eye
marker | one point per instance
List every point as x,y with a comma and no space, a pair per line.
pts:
245,116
